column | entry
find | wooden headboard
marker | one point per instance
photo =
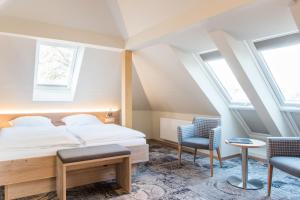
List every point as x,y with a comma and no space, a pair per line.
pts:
56,117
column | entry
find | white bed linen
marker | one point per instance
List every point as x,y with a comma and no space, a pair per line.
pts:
32,137
19,153
19,142
126,143
94,134
38,142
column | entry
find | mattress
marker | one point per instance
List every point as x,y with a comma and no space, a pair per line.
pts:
37,142
19,153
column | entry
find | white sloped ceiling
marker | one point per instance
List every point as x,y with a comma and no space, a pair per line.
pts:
139,99
167,84
140,15
91,15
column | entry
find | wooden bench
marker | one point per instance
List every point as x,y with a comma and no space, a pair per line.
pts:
91,157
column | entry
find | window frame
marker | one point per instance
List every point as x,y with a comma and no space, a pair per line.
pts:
220,86
233,107
64,93
268,76
71,71
286,108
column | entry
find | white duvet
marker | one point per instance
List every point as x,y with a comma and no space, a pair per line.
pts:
36,137
90,134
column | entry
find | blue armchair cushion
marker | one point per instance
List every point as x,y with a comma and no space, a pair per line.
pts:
196,142
287,164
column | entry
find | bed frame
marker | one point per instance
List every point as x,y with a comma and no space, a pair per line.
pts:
31,176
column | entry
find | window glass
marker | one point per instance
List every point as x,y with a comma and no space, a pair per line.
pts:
55,65
228,81
284,66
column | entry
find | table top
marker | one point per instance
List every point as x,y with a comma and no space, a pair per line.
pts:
255,144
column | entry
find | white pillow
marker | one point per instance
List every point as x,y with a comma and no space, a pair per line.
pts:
30,121
81,120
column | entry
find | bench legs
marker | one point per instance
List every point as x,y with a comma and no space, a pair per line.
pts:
6,193
61,182
124,175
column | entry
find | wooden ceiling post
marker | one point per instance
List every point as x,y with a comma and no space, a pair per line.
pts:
127,88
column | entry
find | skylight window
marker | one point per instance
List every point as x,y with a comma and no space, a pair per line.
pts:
225,78
282,59
55,65
57,70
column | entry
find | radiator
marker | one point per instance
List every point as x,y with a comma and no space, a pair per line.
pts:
168,128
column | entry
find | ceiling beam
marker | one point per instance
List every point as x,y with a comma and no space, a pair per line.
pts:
295,9
114,7
245,69
38,30
127,88
182,22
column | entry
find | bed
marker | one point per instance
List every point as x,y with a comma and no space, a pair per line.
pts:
27,164
109,133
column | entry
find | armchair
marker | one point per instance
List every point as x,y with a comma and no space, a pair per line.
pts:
284,154
203,133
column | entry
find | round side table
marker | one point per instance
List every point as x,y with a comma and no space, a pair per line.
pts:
244,183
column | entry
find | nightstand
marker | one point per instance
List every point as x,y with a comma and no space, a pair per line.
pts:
109,120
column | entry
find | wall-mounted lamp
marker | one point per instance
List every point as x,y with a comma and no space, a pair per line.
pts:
109,118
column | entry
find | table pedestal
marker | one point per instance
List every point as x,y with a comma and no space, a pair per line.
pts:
244,183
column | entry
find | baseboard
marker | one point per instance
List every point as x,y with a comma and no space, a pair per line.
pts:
190,150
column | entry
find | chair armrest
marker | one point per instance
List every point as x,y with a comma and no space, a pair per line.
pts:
185,131
215,138
283,146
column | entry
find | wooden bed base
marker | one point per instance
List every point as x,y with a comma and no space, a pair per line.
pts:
26,177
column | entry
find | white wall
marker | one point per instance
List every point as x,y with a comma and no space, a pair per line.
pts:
142,121
148,121
98,86
156,115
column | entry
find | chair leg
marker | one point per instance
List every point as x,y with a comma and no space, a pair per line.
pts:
211,156
195,154
219,156
270,175
179,154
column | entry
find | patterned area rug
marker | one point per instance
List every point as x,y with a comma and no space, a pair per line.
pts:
162,179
